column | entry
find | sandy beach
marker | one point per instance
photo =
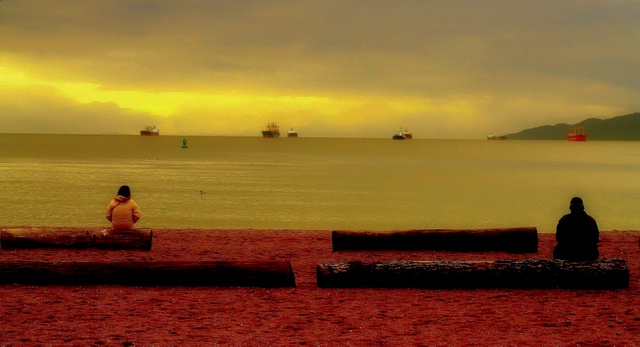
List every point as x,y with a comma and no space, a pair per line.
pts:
308,315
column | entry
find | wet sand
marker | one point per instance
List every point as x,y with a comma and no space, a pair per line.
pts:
308,315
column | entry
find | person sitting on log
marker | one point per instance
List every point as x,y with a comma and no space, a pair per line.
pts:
123,212
577,235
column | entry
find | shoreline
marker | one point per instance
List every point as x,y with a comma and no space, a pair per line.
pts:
306,314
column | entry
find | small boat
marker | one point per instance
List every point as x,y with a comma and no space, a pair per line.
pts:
292,133
150,131
272,130
399,135
577,134
184,143
496,137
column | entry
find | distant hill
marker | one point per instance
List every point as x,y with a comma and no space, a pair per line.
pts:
621,128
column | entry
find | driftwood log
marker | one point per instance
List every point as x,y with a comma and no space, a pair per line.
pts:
513,240
530,273
268,274
75,238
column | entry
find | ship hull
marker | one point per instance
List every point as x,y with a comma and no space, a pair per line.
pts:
577,137
399,137
496,138
292,135
270,134
149,133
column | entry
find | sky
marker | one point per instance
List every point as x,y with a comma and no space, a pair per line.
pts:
327,68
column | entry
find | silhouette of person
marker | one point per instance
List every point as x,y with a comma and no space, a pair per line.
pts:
123,212
577,235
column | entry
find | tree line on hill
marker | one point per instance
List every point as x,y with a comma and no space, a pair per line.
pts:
620,128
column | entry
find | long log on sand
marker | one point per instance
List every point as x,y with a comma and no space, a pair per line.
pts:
269,274
513,240
529,273
75,238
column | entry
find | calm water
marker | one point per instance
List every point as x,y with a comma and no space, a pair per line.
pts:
313,183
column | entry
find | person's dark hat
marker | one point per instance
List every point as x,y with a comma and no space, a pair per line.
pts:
124,191
576,201
576,205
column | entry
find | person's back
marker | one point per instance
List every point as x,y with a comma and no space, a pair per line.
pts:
123,212
577,235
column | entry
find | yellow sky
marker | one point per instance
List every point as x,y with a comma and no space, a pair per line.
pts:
444,69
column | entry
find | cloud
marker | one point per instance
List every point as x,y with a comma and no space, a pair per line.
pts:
43,109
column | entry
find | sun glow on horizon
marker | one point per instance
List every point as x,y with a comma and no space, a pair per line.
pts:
339,109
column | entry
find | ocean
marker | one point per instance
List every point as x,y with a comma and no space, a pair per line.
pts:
317,183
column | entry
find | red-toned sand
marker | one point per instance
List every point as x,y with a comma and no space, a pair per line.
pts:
142,316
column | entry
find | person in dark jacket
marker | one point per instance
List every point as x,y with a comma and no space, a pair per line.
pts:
577,235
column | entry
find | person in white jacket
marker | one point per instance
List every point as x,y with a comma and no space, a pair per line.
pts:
123,212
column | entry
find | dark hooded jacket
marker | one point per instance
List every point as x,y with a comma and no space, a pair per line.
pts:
577,235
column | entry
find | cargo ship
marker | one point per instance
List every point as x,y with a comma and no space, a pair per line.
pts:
272,130
292,133
402,135
576,134
496,137
150,131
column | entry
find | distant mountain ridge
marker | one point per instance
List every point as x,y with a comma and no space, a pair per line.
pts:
620,128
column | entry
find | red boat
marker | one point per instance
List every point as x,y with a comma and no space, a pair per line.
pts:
577,134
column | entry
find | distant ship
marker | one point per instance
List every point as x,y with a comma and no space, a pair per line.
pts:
402,135
576,134
150,131
272,130
292,133
496,137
